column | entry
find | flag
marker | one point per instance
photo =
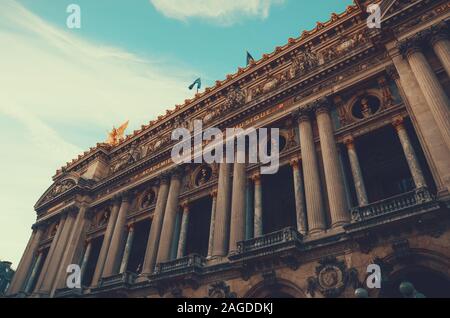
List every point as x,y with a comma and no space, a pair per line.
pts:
249,58
197,82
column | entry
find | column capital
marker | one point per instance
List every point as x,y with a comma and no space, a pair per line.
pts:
163,179
349,142
398,123
413,44
439,32
302,114
130,227
185,206
256,178
322,105
294,162
87,242
125,196
213,193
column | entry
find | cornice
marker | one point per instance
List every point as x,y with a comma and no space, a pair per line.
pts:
243,74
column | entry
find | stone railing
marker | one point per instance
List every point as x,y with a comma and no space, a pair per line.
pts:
269,240
122,278
191,262
397,203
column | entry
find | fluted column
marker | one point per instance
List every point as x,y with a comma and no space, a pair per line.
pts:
113,259
432,90
222,222
299,197
86,256
441,46
237,227
410,154
26,263
56,264
106,241
249,209
314,204
49,258
333,173
74,247
127,250
33,275
170,214
358,180
258,216
155,231
183,231
212,222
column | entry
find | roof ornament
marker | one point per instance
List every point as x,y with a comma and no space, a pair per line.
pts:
116,135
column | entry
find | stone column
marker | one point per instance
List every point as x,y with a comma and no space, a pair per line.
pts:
249,209
49,258
127,250
299,197
441,46
361,193
212,223
74,247
181,252
170,214
258,216
432,90
333,173
86,256
113,259
155,230
106,241
314,204
176,235
33,274
222,221
410,154
237,227
432,141
57,257
25,265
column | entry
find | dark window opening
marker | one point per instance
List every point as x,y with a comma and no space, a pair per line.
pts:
278,200
383,164
39,269
427,282
198,227
88,275
139,246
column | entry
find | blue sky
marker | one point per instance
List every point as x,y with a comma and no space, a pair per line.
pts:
63,89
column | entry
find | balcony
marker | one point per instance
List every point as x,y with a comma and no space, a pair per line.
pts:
269,244
400,206
193,263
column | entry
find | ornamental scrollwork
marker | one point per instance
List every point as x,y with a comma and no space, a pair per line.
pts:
60,188
332,277
220,290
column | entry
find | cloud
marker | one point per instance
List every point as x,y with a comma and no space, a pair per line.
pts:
59,94
220,11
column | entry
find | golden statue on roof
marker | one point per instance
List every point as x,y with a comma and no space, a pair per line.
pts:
116,134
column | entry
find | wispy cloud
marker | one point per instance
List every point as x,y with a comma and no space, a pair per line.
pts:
55,85
224,12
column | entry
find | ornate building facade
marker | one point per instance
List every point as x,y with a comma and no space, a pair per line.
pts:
364,178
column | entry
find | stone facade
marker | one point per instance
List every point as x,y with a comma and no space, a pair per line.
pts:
364,116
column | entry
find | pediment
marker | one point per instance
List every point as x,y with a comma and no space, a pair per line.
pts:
58,188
